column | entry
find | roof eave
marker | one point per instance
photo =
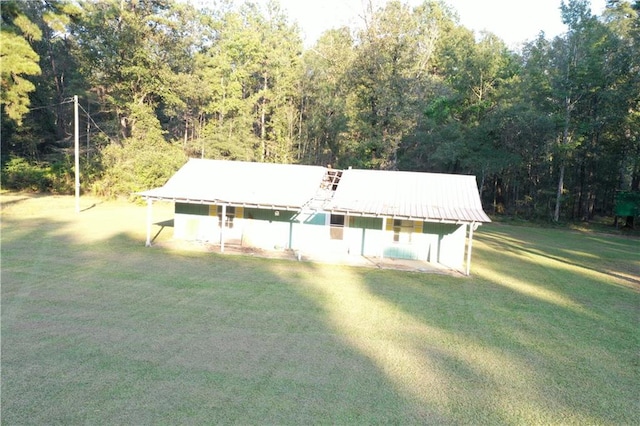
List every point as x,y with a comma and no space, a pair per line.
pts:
269,206
455,221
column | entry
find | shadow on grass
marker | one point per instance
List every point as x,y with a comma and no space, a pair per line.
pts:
12,201
517,337
585,257
98,328
89,208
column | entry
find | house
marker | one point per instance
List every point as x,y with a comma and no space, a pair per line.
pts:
313,209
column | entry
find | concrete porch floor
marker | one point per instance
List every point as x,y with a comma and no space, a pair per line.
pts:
382,263
334,259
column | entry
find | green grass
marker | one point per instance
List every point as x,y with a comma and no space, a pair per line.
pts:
98,329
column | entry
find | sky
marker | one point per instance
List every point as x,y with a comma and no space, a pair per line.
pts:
514,21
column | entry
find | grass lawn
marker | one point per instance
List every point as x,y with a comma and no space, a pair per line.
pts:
98,329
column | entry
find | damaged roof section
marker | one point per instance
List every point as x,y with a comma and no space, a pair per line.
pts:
410,195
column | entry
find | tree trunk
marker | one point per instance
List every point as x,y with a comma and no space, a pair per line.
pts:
629,223
481,188
635,176
263,113
563,143
186,133
556,213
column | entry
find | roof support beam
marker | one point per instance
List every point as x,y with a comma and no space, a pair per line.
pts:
384,229
223,221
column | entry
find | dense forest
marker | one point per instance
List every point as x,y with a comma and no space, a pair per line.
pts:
551,131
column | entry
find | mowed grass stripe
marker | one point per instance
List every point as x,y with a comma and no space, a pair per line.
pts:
96,328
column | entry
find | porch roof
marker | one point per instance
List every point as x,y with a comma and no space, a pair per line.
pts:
241,183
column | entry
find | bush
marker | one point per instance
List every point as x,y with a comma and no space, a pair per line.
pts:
63,176
19,174
137,165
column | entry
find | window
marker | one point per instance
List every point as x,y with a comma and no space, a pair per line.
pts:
230,213
336,223
402,230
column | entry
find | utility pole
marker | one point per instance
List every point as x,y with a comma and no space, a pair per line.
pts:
88,128
77,150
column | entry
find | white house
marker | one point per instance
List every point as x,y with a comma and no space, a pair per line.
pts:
312,209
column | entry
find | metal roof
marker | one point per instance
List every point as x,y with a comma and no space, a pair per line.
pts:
410,195
241,183
407,195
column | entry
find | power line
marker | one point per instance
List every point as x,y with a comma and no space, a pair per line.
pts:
94,123
89,118
68,101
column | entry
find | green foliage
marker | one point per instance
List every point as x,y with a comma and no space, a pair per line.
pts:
238,142
130,52
137,165
57,177
252,76
390,79
63,176
410,89
18,59
327,99
19,174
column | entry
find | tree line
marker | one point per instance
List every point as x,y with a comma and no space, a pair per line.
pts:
551,130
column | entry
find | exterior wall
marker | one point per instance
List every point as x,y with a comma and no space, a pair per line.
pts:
193,222
316,234
407,240
446,243
433,242
201,222
365,236
279,229
267,229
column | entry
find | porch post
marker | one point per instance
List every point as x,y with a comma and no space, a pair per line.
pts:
223,221
149,220
384,229
472,225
